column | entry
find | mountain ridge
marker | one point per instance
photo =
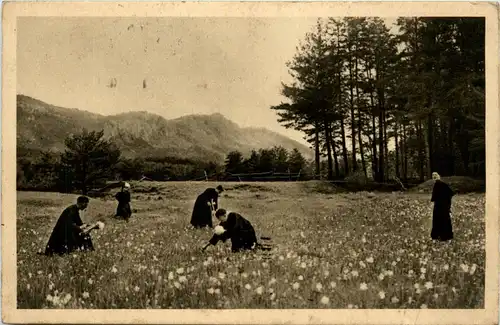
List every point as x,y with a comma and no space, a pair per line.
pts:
42,126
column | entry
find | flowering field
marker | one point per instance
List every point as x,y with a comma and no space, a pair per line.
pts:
330,251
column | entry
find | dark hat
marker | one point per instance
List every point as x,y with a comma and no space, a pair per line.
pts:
82,199
220,212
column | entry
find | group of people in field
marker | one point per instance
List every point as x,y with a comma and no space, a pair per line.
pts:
231,226
70,233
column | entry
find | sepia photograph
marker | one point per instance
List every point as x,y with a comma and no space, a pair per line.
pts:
331,160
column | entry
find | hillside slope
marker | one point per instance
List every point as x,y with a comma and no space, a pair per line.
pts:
41,126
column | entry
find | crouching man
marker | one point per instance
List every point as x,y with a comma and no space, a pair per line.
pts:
68,234
233,226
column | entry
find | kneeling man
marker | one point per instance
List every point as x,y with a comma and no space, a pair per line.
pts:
68,234
233,226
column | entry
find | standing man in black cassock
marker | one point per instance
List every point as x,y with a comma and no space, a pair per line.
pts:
202,211
233,226
123,209
441,219
68,235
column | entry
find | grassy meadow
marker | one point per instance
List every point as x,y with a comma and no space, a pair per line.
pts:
331,250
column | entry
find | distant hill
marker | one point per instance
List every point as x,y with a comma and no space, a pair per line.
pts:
41,126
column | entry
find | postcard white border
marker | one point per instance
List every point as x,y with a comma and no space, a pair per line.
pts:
488,315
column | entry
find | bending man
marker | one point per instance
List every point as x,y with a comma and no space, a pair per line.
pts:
68,235
233,226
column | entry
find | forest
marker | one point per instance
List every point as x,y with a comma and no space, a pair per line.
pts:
387,104
90,160
377,104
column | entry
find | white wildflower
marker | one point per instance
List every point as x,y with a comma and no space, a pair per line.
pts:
219,230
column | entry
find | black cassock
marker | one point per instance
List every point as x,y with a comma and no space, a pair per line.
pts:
202,212
239,230
441,218
123,210
65,237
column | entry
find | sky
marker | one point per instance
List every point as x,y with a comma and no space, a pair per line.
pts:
232,66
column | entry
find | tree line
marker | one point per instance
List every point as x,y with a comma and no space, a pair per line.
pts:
89,161
277,159
391,104
371,102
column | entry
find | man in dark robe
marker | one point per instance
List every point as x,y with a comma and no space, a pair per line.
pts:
441,219
236,228
68,234
123,209
202,211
